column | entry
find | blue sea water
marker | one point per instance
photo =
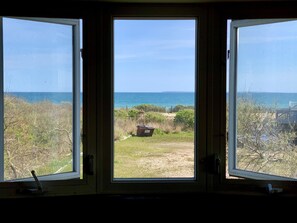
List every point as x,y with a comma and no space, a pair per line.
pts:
55,97
270,99
165,99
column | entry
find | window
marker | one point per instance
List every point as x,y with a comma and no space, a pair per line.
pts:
154,98
262,99
153,78
40,97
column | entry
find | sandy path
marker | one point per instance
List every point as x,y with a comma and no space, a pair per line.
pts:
177,163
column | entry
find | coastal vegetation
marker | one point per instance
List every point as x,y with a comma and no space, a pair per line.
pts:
164,122
263,144
39,136
169,153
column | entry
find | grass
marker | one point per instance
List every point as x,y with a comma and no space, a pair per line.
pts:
159,156
64,163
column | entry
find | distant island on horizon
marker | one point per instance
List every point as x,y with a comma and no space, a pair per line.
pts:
152,92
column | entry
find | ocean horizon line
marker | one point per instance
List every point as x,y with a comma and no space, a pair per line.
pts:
239,92
162,99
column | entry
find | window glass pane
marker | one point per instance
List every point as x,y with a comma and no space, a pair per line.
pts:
154,98
266,99
38,93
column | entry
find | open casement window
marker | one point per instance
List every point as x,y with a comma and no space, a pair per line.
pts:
40,99
262,99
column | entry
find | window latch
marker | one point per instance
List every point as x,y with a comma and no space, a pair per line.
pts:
272,190
214,164
89,164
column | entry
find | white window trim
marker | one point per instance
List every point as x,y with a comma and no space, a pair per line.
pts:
76,100
232,144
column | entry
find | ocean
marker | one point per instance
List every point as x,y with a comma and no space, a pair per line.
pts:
270,99
165,99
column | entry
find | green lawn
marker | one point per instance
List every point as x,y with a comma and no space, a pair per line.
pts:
159,156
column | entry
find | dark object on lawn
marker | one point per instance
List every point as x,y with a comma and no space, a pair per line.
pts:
143,130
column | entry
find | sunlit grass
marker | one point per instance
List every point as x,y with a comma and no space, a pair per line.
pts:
159,156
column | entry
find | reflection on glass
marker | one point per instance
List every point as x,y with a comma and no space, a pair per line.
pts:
38,117
267,99
154,82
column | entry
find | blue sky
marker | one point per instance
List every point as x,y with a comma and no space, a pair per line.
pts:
149,56
37,56
154,55
267,58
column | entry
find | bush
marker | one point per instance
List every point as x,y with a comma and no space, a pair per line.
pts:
186,118
159,132
154,117
178,108
150,108
263,145
133,114
124,128
120,114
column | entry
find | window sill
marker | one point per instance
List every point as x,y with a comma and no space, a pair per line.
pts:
257,188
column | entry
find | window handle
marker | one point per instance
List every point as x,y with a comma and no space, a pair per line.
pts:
38,184
34,191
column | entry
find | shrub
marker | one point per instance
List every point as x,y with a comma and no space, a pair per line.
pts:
178,108
263,145
150,108
133,114
124,128
186,118
158,131
154,117
120,114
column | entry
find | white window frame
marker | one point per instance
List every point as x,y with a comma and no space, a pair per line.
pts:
76,100
232,144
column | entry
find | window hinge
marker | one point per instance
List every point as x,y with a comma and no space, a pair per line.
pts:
228,54
89,164
82,53
214,164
